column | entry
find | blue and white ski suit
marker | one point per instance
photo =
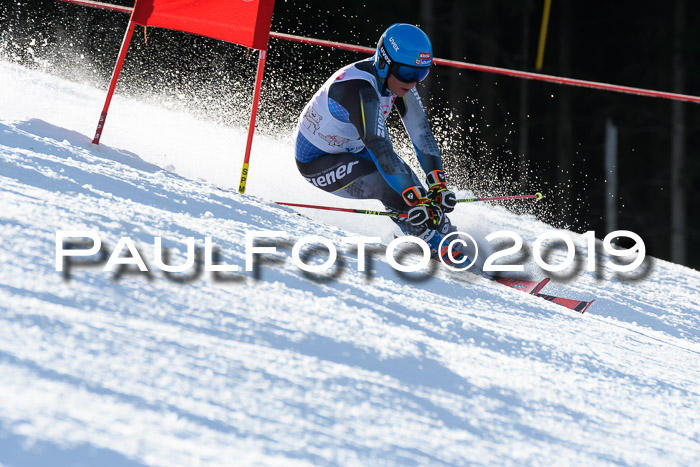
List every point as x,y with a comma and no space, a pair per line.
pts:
342,145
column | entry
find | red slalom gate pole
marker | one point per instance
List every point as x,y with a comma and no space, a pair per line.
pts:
449,63
322,42
104,6
501,71
113,82
568,81
253,116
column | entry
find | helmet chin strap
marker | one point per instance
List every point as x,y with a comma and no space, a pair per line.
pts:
385,86
385,81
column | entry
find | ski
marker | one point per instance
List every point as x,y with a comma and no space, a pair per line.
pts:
577,305
534,288
530,287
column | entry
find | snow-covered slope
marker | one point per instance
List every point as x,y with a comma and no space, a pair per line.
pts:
276,366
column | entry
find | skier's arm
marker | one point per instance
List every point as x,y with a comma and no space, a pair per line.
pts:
413,116
418,128
365,113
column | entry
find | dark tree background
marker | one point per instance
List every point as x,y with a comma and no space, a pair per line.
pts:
498,134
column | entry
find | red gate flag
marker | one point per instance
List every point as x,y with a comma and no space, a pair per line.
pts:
244,22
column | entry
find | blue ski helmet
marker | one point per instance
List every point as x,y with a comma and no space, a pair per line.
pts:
405,52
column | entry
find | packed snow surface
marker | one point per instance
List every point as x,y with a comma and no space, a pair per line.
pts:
277,366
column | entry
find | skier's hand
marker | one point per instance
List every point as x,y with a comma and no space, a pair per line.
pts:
423,213
438,192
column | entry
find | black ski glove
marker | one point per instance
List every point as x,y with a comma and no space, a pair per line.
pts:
423,212
438,193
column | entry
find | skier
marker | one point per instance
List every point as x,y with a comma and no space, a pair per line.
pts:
343,147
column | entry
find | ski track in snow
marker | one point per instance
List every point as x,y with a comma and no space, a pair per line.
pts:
277,367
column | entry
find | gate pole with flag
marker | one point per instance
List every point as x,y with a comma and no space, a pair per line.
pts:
245,22
253,116
113,82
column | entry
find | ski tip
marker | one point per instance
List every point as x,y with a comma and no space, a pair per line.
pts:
577,305
539,196
540,286
586,307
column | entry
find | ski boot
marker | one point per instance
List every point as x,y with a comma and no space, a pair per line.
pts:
455,258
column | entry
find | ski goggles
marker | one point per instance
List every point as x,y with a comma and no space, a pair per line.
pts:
409,74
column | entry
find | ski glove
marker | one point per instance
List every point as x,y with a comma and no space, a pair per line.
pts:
423,212
438,192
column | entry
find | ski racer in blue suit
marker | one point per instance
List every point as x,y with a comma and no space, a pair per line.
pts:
342,145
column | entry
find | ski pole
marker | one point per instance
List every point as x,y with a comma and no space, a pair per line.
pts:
354,211
536,197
